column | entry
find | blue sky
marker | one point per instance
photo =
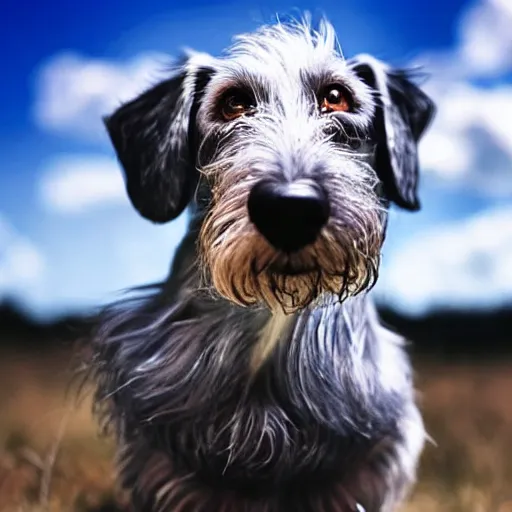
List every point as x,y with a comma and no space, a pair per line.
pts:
68,236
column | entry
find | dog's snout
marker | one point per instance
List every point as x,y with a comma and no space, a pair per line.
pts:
289,215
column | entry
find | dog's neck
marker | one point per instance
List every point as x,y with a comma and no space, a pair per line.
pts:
276,329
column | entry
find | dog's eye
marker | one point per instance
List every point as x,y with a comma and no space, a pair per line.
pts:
236,103
335,98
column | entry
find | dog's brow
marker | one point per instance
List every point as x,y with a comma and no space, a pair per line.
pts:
319,77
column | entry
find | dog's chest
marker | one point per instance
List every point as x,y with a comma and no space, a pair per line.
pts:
303,410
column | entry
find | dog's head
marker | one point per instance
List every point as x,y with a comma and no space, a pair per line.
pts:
292,154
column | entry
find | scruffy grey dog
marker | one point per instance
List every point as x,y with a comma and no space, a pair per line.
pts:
258,377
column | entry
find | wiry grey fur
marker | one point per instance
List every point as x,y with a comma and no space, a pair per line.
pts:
255,380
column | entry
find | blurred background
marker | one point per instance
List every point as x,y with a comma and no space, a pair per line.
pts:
70,241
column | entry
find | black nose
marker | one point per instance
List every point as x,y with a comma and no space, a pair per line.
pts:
289,215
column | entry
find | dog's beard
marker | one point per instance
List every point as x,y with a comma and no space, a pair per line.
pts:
241,266
246,270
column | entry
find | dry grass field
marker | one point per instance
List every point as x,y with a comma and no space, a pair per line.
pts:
51,458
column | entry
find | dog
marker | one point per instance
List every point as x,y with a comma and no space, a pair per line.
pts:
257,377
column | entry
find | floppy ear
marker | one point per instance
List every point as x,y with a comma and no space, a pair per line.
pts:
153,136
402,115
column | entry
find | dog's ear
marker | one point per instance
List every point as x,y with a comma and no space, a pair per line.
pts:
153,136
402,115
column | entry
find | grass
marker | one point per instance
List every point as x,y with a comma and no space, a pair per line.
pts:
51,458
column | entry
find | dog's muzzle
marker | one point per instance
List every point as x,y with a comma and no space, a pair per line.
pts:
289,215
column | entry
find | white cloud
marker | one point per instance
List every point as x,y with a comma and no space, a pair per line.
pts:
486,38
470,141
466,264
104,257
74,92
74,184
21,264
